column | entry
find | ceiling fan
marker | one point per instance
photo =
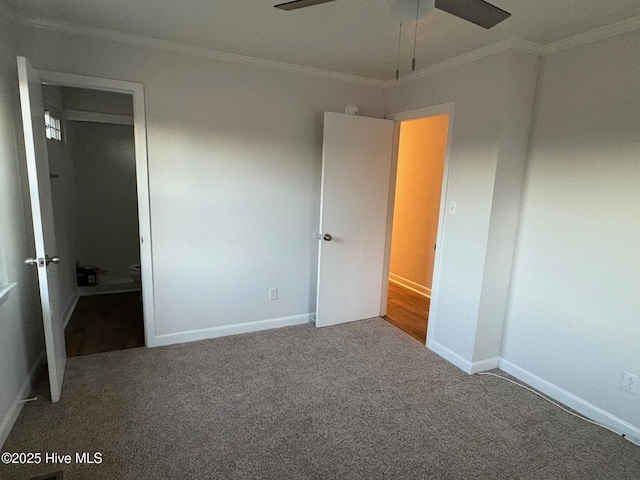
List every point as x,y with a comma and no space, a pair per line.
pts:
475,11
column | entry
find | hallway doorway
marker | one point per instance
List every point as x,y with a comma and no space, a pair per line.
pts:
417,204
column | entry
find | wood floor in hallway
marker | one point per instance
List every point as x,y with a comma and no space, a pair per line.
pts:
102,323
408,310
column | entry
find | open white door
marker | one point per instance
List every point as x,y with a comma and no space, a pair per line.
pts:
43,228
356,168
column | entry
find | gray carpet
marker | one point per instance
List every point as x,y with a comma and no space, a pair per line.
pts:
357,401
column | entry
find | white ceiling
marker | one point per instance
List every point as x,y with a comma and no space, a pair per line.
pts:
357,37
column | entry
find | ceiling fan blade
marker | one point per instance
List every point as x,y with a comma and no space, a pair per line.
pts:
301,4
475,11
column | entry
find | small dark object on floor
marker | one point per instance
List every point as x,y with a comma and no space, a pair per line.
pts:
50,476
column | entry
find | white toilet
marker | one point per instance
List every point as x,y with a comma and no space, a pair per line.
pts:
134,272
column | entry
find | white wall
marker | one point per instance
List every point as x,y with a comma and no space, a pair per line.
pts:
106,231
517,94
21,339
96,101
574,317
234,165
489,134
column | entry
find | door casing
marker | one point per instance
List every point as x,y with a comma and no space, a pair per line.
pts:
432,111
142,176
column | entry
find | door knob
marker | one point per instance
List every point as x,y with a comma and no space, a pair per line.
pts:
52,259
41,262
327,238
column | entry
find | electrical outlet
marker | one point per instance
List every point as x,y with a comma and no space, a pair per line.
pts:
453,206
273,294
629,382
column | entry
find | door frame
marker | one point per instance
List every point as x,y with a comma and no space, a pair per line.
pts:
142,176
425,112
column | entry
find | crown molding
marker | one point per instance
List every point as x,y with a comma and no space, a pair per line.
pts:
515,43
625,26
141,41
508,44
601,33
175,47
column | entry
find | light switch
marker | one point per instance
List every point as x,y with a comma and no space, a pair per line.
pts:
452,208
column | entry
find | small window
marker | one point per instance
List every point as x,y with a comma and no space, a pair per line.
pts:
52,126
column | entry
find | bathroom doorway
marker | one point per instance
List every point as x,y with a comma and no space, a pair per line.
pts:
417,211
101,213
109,314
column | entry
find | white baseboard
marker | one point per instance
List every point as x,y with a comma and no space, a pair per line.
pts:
12,415
69,311
5,290
225,330
484,365
115,286
461,362
613,423
609,421
413,286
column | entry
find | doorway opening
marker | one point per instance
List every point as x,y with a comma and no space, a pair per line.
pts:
47,260
417,215
92,164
